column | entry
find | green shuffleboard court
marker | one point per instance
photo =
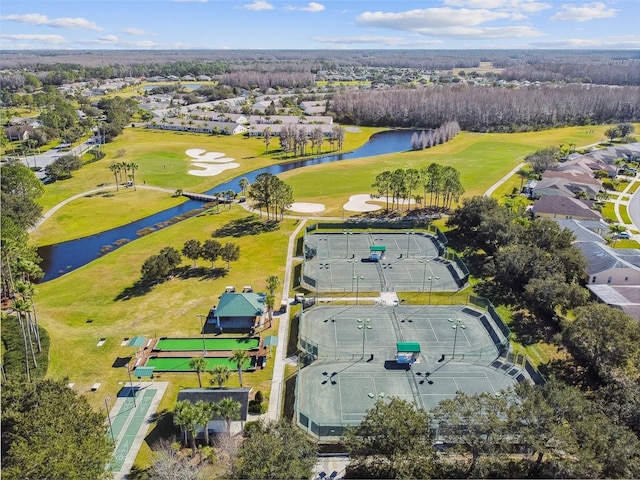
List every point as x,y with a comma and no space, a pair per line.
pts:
181,364
211,344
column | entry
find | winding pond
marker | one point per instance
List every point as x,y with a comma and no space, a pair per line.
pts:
65,257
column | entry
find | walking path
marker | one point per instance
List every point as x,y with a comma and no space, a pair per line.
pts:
58,206
495,186
277,381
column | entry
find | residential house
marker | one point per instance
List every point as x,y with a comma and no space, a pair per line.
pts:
585,230
218,424
568,184
18,132
237,312
557,206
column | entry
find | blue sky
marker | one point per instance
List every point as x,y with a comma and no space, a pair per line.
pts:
321,24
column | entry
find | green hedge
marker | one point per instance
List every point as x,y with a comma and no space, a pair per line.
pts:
13,358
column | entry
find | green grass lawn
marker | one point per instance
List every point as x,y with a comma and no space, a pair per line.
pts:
169,309
163,163
624,214
633,188
481,158
608,211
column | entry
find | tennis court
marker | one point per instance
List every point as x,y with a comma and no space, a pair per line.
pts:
338,262
181,364
354,348
210,344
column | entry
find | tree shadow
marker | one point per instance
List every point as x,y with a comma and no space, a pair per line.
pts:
250,225
163,428
203,273
138,289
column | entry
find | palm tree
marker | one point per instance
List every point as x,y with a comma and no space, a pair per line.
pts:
204,412
185,415
228,409
21,307
270,301
273,282
133,166
115,168
615,230
239,357
244,184
198,364
524,173
220,374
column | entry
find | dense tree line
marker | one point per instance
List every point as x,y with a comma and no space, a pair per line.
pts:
550,431
528,261
441,184
270,194
489,108
49,431
265,80
431,138
612,72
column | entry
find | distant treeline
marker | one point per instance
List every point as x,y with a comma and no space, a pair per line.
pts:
622,72
264,80
489,108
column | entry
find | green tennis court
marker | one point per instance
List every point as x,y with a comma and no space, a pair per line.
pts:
210,344
181,364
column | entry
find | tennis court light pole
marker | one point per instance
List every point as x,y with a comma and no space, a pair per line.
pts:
409,233
352,261
204,345
424,273
347,232
364,326
357,278
457,324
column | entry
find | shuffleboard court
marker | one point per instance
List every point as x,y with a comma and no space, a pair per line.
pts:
181,364
211,344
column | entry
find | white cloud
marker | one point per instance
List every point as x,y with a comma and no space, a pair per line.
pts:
313,7
258,5
584,13
388,41
428,18
51,39
529,6
134,31
448,22
43,20
620,42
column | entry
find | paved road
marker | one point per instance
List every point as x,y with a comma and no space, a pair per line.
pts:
49,157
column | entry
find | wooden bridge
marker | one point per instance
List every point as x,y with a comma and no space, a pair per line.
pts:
203,197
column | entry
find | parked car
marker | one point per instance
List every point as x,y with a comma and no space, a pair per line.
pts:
623,236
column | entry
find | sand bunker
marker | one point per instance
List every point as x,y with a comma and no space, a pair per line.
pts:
306,207
210,163
362,203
